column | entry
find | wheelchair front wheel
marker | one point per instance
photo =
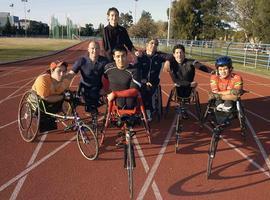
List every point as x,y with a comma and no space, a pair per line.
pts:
87,142
212,152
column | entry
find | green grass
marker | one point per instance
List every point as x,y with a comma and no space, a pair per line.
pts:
12,49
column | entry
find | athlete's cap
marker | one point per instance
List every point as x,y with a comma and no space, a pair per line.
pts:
58,63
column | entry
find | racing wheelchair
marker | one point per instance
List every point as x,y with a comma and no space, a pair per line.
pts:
219,120
126,119
33,112
182,104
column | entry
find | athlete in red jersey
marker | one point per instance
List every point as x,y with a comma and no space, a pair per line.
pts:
225,85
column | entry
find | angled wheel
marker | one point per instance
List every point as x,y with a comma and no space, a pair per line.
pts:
29,116
87,142
169,102
178,130
159,103
242,118
198,106
212,152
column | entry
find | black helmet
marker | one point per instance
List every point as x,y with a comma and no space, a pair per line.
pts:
224,61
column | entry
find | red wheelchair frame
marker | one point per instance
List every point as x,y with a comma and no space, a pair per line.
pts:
114,113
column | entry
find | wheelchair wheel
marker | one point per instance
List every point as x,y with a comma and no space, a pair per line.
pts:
197,106
178,130
29,116
87,142
159,103
169,102
212,152
242,118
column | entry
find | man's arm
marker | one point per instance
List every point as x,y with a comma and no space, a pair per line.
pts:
202,67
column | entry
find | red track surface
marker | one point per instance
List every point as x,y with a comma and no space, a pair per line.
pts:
53,168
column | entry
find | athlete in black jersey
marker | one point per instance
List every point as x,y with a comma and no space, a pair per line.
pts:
150,64
123,79
182,71
115,35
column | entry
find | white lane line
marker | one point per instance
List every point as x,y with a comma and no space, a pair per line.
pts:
236,149
31,161
266,159
10,123
15,82
156,164
146,168
34,165
259,116
1,101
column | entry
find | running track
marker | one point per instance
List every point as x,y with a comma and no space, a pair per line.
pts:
53,168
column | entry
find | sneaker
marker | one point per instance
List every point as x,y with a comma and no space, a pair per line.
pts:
221,107
149,115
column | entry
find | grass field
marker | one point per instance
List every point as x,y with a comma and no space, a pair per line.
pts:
12,49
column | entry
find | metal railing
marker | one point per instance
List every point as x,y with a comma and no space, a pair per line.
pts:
247,54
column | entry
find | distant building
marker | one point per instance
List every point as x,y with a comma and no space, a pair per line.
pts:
24,23
14,20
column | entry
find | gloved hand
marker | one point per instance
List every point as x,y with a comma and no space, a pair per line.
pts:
67,95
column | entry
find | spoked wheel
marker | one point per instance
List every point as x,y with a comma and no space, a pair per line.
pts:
130,167
198,106
212,152
29,116
87,142
178,130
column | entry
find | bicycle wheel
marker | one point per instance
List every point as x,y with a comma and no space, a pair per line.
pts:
29,116
178,130
87,142
212,152
130,167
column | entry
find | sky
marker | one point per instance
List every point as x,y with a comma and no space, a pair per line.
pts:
83,11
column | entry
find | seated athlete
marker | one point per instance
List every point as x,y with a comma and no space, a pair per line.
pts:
50,87
150,64
91,68
182,72
123,79
226,86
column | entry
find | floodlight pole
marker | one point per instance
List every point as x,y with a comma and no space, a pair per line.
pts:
135,12
169,22
25,16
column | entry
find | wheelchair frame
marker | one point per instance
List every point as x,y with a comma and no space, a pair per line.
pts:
31,106
237,112
182,102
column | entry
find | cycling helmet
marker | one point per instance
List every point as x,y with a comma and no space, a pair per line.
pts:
224,61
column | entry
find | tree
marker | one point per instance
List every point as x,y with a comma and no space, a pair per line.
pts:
99,31
7,30
185,19
88,30
126,20
145,27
